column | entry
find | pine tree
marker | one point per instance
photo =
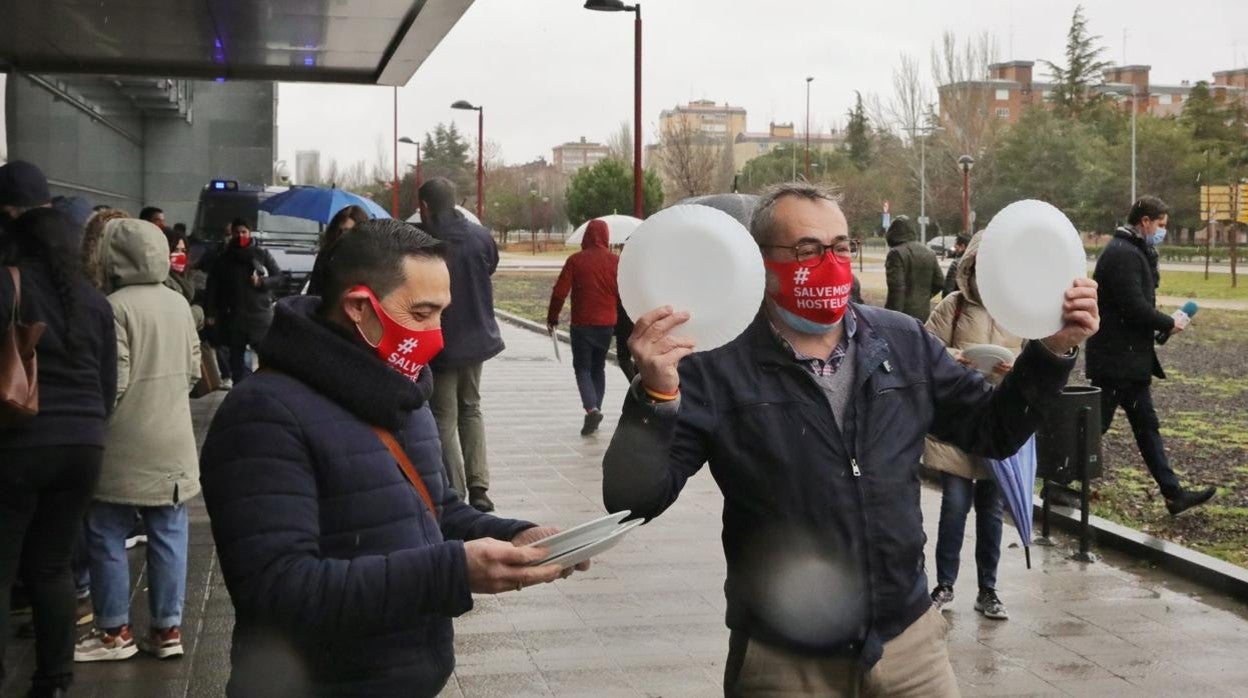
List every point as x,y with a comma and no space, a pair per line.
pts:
858,135
1073,83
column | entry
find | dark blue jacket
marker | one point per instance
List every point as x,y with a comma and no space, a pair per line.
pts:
823,533
77,385
468,325
1123,350
342,581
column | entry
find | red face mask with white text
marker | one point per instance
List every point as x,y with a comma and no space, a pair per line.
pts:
406,351
817,294
177,261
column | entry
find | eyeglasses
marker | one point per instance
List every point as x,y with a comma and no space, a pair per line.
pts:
811,254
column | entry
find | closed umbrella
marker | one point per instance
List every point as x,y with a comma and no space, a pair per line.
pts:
620,228
318,204
1016,479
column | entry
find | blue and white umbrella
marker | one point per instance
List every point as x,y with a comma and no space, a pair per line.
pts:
318,204
1016,478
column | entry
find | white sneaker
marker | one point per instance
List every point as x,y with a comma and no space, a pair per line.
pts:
100,646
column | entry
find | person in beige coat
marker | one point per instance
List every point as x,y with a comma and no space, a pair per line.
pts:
961,321
151,466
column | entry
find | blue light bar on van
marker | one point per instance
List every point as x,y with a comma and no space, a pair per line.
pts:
223,185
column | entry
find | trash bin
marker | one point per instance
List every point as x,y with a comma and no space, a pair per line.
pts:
1057,438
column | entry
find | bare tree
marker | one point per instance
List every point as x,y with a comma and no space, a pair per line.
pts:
955,67
690,161
911,97
620,143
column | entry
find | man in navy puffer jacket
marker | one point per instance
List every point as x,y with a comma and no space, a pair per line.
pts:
343,581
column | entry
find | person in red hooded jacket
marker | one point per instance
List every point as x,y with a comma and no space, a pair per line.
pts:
590,276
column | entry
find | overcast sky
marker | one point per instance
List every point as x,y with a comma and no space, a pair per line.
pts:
549,71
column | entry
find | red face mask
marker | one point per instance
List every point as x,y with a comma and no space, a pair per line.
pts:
817,294
406,351
177,261
244,239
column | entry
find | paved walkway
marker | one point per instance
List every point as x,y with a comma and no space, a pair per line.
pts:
647,619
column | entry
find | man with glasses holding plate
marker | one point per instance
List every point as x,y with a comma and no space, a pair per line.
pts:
813,422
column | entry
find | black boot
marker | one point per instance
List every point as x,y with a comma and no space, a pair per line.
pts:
479,500
1186,499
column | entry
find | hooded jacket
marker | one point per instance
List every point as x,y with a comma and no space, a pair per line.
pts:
912,272
468,326
150,457
590,276
333,562
974,326
236,304
1123,351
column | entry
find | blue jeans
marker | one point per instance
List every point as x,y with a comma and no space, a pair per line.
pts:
590,344
167,531
955,504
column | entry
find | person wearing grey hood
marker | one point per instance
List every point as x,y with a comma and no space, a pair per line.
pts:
912,272
150,461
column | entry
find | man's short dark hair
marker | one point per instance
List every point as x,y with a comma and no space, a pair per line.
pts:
762,220
373,256
148,213
1147,207
240,223
179,228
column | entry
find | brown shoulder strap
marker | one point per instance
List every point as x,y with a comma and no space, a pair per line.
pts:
957,315
405,464
16,275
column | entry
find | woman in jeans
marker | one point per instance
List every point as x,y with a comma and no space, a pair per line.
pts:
961,321
150,462
49,463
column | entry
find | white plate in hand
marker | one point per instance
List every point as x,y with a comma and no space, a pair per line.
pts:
581,536
576,557
1030,255
985,357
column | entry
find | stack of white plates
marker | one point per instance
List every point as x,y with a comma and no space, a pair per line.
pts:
576,545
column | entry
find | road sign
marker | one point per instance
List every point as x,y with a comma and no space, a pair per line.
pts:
1221,202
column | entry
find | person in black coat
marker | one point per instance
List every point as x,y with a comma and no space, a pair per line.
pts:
239,297
49,463
1122,359
344,579
472,338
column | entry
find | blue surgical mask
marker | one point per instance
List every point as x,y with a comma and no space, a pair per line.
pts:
801,324
1156,238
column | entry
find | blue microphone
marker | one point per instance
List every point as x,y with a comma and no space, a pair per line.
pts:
1182,318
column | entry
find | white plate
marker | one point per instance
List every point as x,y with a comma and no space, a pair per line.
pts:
697,259
1029,257
580,536
575,557
985,357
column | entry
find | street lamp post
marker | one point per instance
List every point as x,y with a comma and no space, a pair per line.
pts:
394,199
808,81
408,141
1134,91
619,6
465,105
916,133
966,162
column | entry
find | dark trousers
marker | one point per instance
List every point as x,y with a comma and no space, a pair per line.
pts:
239,370
1136,399
957,498
44,493
590,344
223,361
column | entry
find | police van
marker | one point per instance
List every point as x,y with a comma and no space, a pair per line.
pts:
292,241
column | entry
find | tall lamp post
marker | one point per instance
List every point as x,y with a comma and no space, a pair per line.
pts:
394,199
808,81
619,6
924,133
966,162
465,105
407,141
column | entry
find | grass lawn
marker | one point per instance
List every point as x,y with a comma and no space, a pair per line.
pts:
1192,284
1203,408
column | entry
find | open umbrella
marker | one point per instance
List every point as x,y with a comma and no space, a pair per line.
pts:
620,228
1016,479
318,203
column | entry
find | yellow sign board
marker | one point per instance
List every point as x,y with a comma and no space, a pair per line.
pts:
1224,203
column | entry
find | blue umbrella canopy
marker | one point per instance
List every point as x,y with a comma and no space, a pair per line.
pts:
318,203
1016,479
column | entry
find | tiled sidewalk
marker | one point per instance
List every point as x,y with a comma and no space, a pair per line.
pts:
647,619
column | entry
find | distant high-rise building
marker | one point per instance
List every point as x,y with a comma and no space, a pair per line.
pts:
308,166
574,155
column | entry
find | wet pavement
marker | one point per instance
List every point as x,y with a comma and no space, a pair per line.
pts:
647,619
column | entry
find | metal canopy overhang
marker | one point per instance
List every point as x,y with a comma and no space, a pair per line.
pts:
373,42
